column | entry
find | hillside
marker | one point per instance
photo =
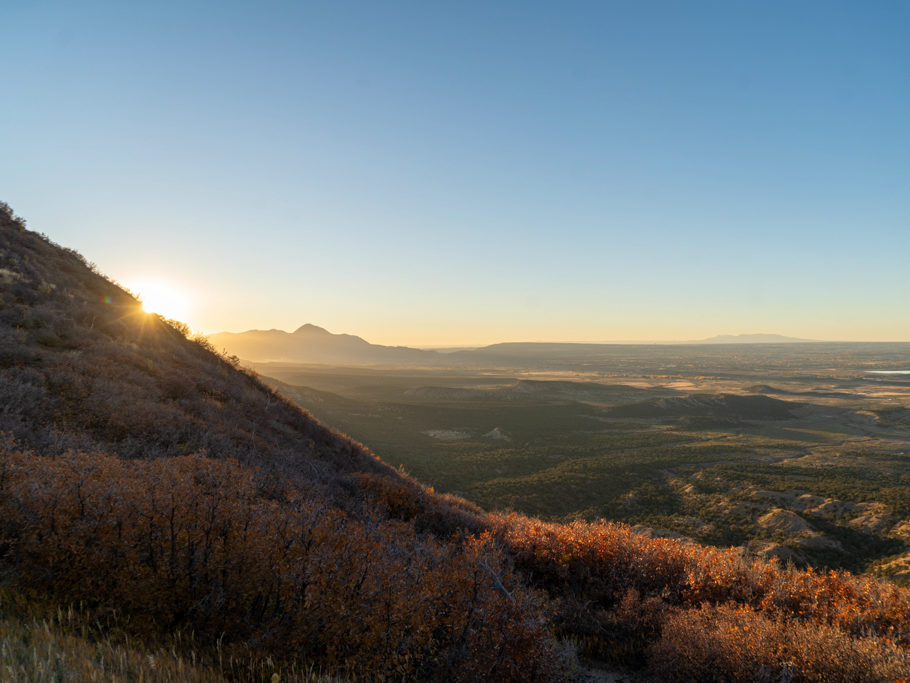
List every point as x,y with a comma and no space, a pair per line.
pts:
312,344
152,481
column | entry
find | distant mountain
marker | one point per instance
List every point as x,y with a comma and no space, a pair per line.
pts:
754,339
313,344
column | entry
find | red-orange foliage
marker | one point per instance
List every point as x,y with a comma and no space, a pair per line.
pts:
614,587
406,499
189,541
732,642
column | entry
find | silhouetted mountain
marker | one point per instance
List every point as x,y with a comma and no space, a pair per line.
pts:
312,344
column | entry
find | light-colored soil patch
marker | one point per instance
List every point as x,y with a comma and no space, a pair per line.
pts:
496,434
898,568
873,522
902,528
784,520
681,384
448,434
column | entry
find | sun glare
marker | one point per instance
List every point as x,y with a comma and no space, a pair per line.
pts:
163,299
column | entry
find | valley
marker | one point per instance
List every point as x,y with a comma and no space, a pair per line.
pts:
794,451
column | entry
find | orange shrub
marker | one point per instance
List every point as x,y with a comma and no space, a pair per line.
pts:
735,643
188,541
605,579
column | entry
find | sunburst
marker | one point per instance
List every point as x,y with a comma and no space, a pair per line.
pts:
162,298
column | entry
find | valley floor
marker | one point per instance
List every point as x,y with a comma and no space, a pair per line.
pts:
776,452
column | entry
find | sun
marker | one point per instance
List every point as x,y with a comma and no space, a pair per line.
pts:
162,298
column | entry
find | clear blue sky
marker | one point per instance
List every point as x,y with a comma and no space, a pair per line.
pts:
471,172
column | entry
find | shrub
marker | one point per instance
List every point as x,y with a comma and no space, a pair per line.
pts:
189,542
732,642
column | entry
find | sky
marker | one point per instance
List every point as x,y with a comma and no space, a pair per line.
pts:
460,173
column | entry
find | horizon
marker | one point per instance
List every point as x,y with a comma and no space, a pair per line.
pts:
460,176
786,339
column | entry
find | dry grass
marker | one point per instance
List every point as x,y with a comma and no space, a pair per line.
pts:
41,643
64,647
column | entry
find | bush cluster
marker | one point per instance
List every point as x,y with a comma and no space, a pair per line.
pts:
189,541
690,612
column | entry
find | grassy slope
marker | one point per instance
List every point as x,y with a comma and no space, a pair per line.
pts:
39,642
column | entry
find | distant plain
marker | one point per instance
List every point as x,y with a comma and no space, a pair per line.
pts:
798,451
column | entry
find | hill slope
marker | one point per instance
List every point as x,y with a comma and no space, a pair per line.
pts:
143,475
141,472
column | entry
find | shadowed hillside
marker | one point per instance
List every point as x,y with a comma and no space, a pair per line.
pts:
150,480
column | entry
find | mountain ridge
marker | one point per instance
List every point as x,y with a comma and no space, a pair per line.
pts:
312,344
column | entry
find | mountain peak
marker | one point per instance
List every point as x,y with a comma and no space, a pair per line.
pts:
313,344
311,329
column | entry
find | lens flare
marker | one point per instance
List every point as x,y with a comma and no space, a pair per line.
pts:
163,299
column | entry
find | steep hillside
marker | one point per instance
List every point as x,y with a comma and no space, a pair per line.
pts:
84,367
149,480
141,472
